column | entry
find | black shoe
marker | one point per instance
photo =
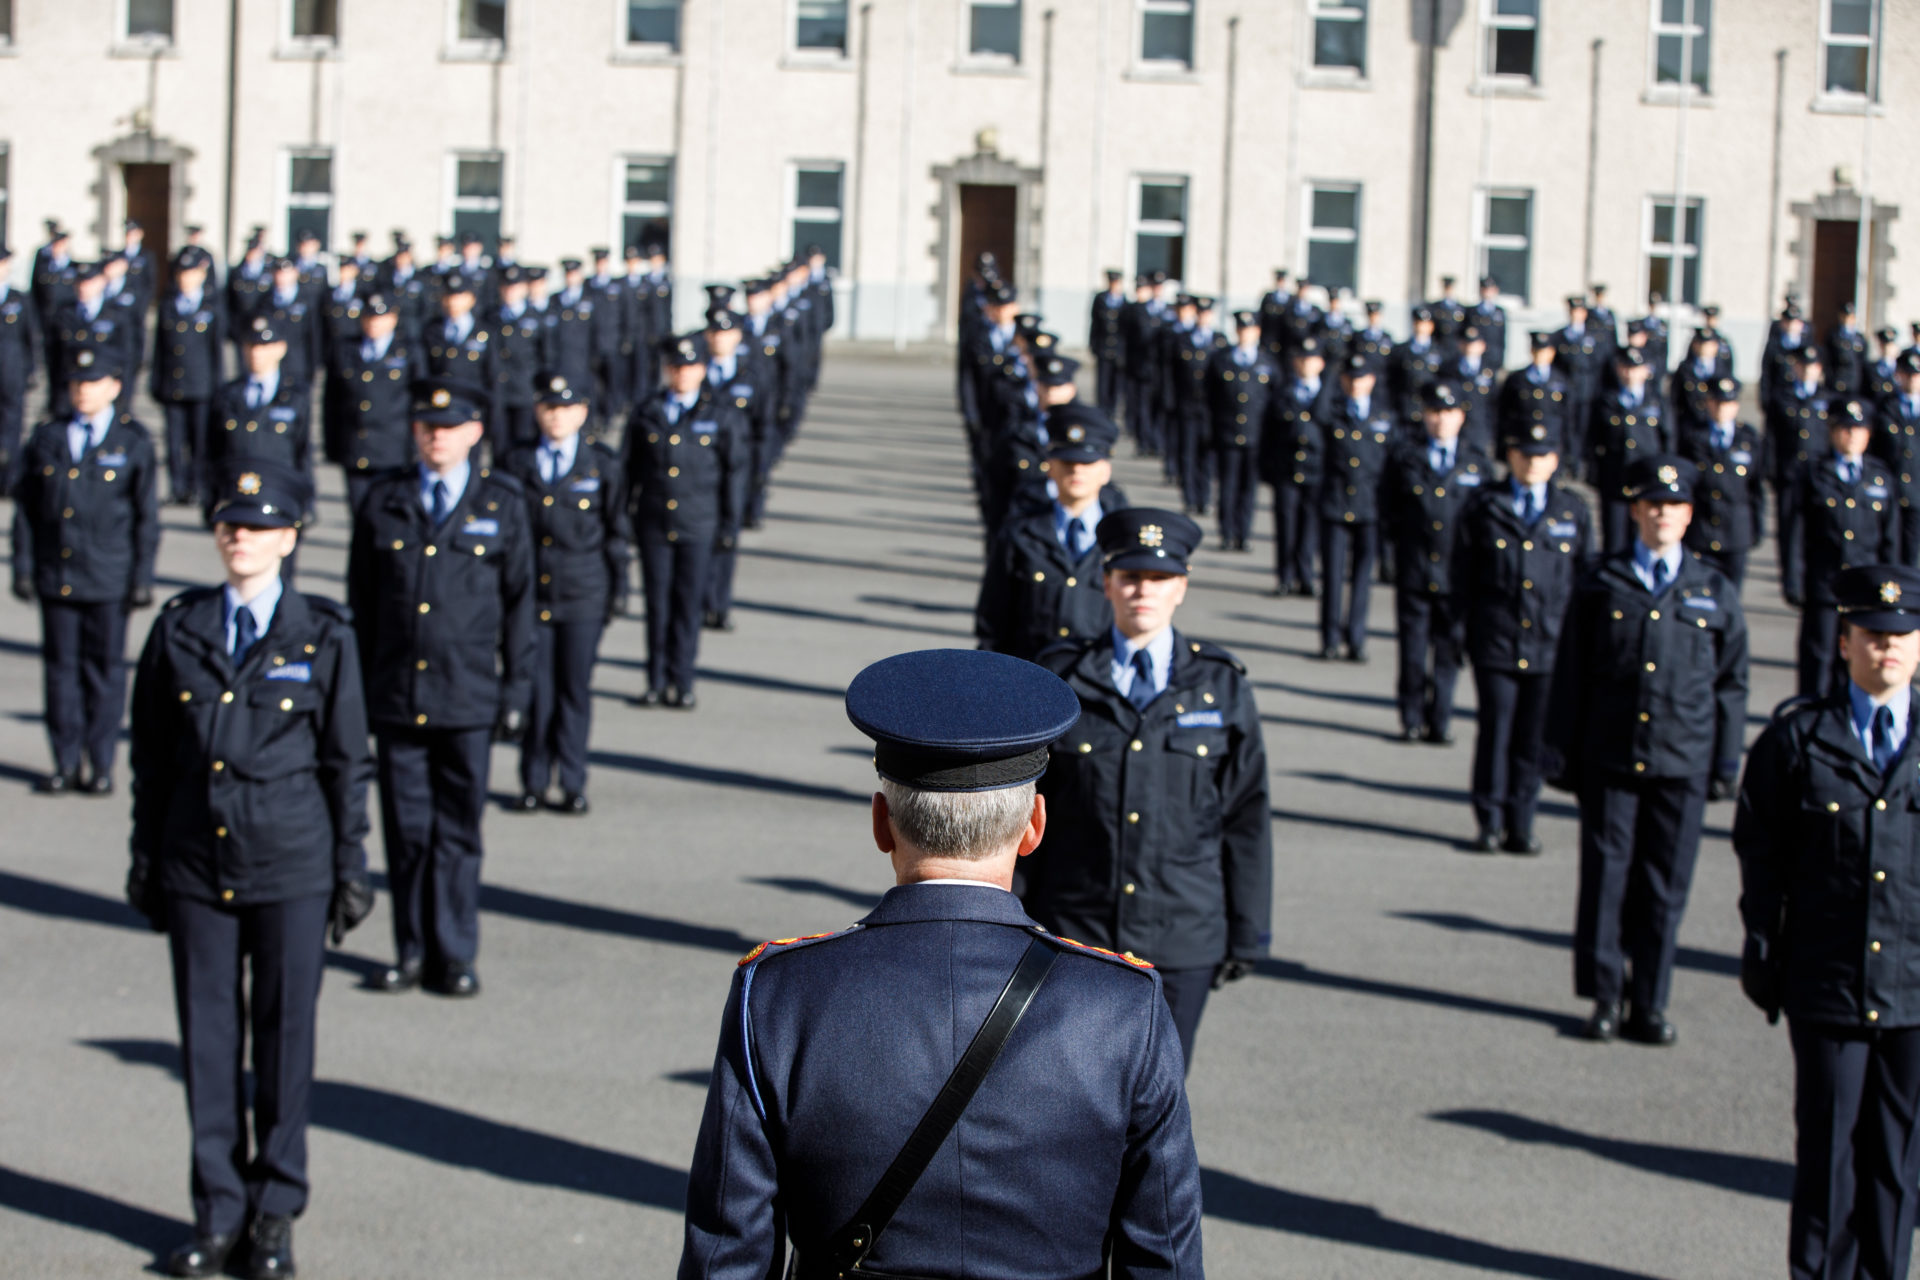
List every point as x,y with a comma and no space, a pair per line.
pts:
1356,655
1438,737
651,698
404,976
270,1248
1305,589
1408,735
723,622
56,784
528,802
459,980
1527,846
670,697
1330,654
201,1256
101,784
1604,1025
709,621
687,700
1650,1027
1486,842
574,803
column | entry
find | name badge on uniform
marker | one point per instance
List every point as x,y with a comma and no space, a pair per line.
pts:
740,389
1742,456
1700,602
479,528
299,671
1561,529
1200,720
282,414
590,484
111,459
1876,491
1467,480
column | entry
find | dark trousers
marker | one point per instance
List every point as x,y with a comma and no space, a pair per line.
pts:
281,945
1616,524
1639,838
358,482
1196,461
719,594
186,445
1856,1151
1296,535
433,790
1431,634
1512,720
560,716
1142,420
763,459
1107,379
13,417
1346,582
1909,529
1186,992
674,577
1731,563
1239,494
84,681
1818,651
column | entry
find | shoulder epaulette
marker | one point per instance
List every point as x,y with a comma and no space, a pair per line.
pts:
328,607
1060,649
790,943
1203,649
1794,705
188,596
510,483
1128,960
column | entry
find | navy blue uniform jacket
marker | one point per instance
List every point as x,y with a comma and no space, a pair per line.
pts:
830,1050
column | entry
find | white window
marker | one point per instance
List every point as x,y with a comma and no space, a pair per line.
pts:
149,21
475,203
1513,39
6,22
1160,226
1850,47
821,26
646,202
309,195
817,192
1505,241
1333,236
1340,34
993,30
1166,32
1682,42
651,25
314,21
478,28
1673,252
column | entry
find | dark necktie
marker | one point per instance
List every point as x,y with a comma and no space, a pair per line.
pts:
441,503
1850,472
1529,507
1882,738
1076,536
1143,691
245,632
1660,575
551,457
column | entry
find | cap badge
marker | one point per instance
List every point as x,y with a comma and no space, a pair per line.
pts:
1152,535
1539,432
249,483
687,352
442,398
1076,434
1669,475
558,384
1890,592
84,359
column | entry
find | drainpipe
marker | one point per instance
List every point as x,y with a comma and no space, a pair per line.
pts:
854,268
1039,241
905,179
1593,158
233,127
1773,196
1423,234
1226,160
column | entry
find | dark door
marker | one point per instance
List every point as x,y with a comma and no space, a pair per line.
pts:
1836,248
150,203
986,224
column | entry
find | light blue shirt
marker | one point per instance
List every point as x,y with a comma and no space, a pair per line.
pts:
1900,703
1723,434
556,457
1311,388
1539,492
1159,653
456,481
719,374
87,433
1089,519
679,406
261,607
186,303
457,330
372,349
1440,455
1849,469
1644,560
262,388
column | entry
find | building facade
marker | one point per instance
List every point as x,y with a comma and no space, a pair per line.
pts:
1710,152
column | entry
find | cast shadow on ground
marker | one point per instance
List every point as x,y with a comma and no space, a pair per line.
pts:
857,898
1750,1175
86,1210
859,566
1293,971
1686,958
850,619
685,772
1423,835
1459,796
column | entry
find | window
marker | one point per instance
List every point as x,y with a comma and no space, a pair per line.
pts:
476,196
1513,39
1333,236
646,203
316,20
1506,241
1682,38
6,21
1160,227
1166,31
1673,266
309,195
993,29
6,190
150,21
821,25
483,21
1340,34
1850,47
816,208
654,22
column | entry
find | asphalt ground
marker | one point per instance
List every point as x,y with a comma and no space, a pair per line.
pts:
1398,1092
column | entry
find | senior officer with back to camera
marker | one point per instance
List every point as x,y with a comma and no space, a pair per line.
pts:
1645,723
1072,1152
250,767
1161,843
440,579
1829,851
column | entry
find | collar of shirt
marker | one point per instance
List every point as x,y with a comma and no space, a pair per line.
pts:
1538,374
1311,388
683,402
569,297
1062,518
1723,434
1643,561
91,310
973,884
186,303
1418,345
1440,453
1899,702
87,433
1574,332
287,298
759,323
1539,492
1361,409
261,607
461,327
456,480
1470,366
267,384
402,274
376,348
1806,390
1244,356
1000,335
1159,651
556,457
514,310
718,372
1841,462
343,292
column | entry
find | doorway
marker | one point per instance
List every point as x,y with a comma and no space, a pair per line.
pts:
1836,257
988,217
149,191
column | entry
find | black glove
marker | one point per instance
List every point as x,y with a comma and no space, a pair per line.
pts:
146,896
1797,599
1720,789
352,903
1760,977
510,726
23,590
1230,970
140,597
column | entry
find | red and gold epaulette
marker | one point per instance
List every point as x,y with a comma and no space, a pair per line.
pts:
760,950
1125,957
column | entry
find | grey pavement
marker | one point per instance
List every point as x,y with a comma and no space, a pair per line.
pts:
1398,1092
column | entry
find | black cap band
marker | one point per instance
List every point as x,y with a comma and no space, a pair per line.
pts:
927,770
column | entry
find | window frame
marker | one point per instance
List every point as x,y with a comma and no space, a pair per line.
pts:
1351,236
462,48
972,59
819,54
1486,241
290,202
836,260
1675,252
1871,42
6,189
1345,11
10,8
1138,226
288,44
456,204
1658,29
630,50
1492,23
126,43
1166,66
624,208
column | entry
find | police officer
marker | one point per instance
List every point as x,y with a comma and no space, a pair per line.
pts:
1727,503
1490,318
1797,420
576,505
1243,388
1649,707
1140,328
1374,342
1628,423
681,469
290,310
1579,356
85,530
440,580
460,344
517,359
1105,341
1897,443
1847,355
1158,796
1359,433
263,413
1883,375
377,370
736,411
1423,492
1536,396
249,279
250,766
1522,546
19,342
1292,459
1828,845
405,289
52,281
831,1044
87,323
1449,318
1693,384
189,346
1477,382
1189,356
1413,364
765,357
574,327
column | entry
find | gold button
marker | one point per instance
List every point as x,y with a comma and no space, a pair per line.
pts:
433,551
1655,615
673,471
1526,584
1639,766
1644,717
1038,576
1873,946
1064,632
1128,888
1526,624
227,696
1880,804
286,704
1073,582
1617,615
584,504
1133,817
673,504
420,719
1526,546
1873,1015
1879,876
547,501
221,832
1085,747
1651,666
673,439
546,615
1206,697
1833,806
420,665
1200,750
1523,664
1136,745
218,765
397,544
424,606
482,548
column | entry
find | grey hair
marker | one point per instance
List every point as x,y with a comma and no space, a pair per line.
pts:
958,824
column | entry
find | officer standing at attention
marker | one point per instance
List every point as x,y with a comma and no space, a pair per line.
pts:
1897,442
1191,356
1798,413
377,368
1490,318
1140,336
19,342
1629,423
1423,491
249,868
1161,843
87,323
736,408
516,359
290,310
1359,434
262,413
1828,845
1477,383
1522,546
1649,709
1536,396
1847,355
1243,389
1842,510
833,1047
1292,457
189,359
460,345
1728,505
1414,364
1107,344
577,516
440,580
